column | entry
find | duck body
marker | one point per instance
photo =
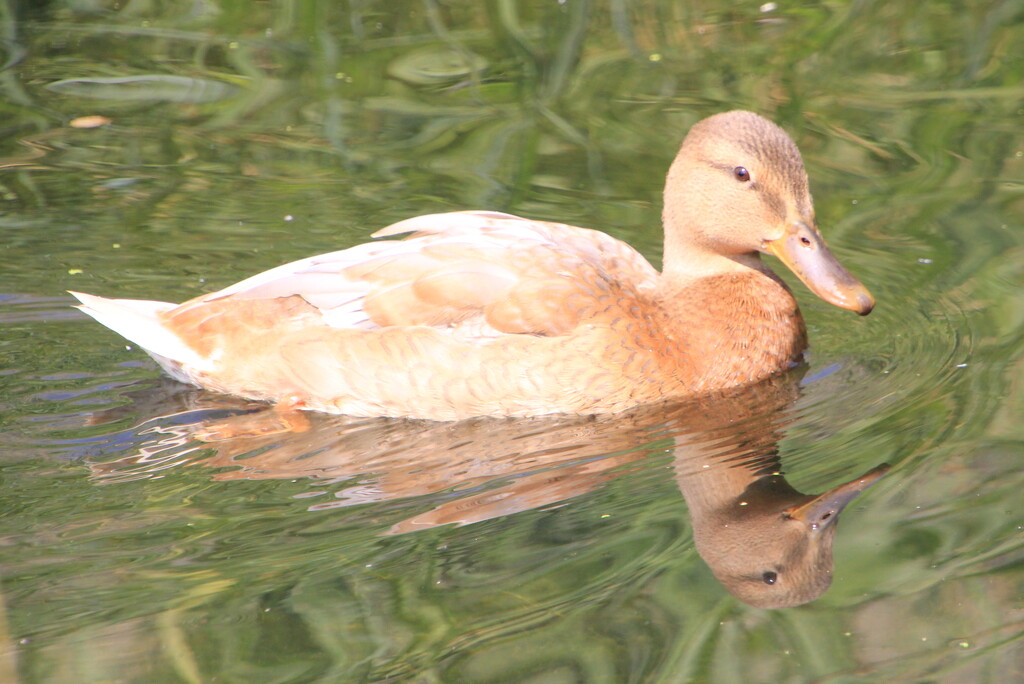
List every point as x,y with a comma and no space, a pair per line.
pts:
482,313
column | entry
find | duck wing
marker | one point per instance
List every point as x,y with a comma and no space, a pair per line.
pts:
472,274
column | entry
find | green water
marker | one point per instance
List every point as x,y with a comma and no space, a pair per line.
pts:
134,547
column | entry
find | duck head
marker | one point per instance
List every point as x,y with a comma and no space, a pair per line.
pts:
738,189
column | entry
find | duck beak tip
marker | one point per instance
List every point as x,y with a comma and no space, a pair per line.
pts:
866,304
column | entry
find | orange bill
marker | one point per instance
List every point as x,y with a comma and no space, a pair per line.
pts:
804,251
823,510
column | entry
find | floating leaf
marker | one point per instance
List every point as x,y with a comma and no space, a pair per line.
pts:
151,87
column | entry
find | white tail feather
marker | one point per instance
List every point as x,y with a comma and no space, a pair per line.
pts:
137,320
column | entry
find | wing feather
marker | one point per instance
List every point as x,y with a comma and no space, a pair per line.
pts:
468,273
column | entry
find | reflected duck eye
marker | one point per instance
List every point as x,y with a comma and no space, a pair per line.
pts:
742,174
769,577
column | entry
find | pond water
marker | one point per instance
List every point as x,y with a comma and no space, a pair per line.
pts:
158,150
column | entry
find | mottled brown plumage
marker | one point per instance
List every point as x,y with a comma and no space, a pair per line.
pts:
481,313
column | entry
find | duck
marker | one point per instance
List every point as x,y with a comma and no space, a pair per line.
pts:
483,313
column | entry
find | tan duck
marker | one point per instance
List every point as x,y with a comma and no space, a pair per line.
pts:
482,313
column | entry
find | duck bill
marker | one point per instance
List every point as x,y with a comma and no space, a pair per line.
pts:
822,511
804,252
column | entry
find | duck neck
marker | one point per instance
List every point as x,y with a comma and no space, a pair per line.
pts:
684,266
728,497
689,255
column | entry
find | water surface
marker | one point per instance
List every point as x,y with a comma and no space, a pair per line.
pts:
141,543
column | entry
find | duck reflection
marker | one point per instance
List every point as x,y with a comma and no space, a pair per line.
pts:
767,543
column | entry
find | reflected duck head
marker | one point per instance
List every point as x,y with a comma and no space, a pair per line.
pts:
773,547
738,189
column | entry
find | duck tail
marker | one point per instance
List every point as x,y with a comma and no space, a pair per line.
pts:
139,321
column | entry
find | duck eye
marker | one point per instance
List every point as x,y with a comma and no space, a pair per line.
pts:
769,577
742,174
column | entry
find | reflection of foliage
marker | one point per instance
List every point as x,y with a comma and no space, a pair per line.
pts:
567,86
907,114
